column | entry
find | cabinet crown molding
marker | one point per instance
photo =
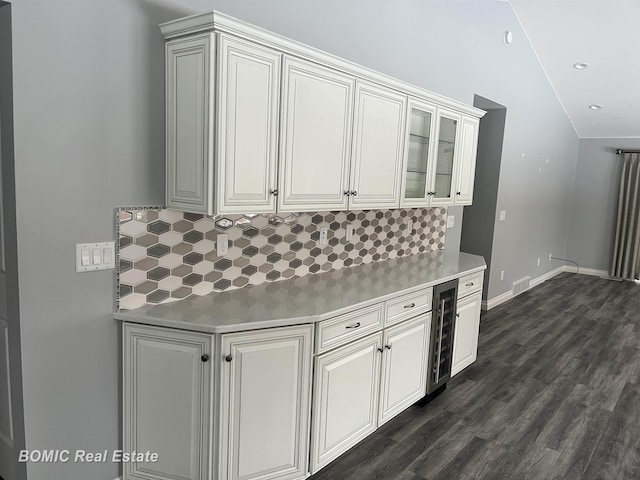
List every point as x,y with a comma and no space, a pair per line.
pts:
218,22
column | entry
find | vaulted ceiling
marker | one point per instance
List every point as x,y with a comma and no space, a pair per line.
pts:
602,34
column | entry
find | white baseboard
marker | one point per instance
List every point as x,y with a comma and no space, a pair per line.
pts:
506,296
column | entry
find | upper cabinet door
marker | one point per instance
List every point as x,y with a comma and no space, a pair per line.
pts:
378,143
419,151
316,127
248,100
189,96
467,165
443,172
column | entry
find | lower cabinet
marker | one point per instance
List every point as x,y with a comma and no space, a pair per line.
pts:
404,366
465,338
345,406
265,404
365,383
167,385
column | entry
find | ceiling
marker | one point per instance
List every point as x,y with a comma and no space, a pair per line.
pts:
603,34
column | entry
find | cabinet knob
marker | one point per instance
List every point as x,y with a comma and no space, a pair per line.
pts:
228,358
204,358
347,193
458,193
380,349
274,192
388,347
354,193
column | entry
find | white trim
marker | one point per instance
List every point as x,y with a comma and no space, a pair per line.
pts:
546,276
506,296
495,301
219,22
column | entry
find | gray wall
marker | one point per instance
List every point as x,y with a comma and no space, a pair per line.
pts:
9,305
89,135
478,226
595,201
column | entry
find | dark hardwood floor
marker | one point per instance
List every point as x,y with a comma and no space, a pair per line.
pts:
554,394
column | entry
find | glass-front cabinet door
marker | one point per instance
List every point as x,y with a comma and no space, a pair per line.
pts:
419,152
444,170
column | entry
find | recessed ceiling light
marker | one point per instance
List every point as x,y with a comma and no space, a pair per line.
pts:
508,37
580,66
595,106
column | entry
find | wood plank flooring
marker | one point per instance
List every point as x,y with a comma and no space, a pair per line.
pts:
554,394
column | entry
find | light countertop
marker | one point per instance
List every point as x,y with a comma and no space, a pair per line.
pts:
306,299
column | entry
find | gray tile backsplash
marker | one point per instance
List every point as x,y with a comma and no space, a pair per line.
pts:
165,255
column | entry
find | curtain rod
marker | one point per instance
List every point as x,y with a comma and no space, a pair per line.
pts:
620,151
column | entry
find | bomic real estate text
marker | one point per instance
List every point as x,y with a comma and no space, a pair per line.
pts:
82,456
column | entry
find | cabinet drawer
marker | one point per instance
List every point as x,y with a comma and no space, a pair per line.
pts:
470,284
407,306
345,328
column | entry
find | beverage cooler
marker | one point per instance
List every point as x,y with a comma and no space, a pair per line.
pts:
442,329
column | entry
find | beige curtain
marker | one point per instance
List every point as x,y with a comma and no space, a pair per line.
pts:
626,248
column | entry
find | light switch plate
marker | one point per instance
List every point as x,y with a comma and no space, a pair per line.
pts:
503,215
451,221
101,256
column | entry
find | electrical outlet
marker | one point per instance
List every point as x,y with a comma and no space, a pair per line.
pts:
503,215
502,275
349,234
538,261
222,244
324,234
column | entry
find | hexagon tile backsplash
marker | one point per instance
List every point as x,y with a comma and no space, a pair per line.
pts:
165,255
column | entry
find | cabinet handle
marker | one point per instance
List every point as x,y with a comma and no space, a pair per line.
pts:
458,193
388,347
228,358
274,192
380,350
355,325
470,284
354,193
347,193
457,315
411,305
204,358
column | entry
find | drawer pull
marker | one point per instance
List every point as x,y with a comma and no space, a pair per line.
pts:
411,305
470,284
355,325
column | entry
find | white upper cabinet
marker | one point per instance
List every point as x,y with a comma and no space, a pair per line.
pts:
258,123
247,126
378,142
467,161
443,169
317,108
189,110
418,154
